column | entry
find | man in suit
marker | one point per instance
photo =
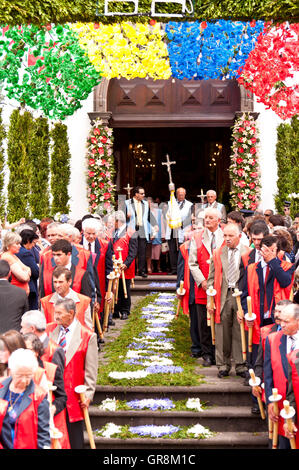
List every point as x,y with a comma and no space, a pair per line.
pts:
175,237
226,273
102,252
277,346
212,202
202,246
62,280
139,218
257,231
25,254
81,364
124,239
13,301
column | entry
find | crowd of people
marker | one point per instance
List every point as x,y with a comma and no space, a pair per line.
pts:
63,283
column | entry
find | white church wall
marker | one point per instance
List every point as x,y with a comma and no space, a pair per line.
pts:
268,122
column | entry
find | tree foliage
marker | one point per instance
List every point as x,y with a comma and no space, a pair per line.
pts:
60,169
287,157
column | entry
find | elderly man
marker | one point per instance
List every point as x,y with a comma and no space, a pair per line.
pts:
81,364
62,280
175,237
277,346
102,251
202,246
124,246
226,273
212,202
34,322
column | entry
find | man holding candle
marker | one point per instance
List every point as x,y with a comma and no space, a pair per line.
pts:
265,282
201,248
277,346
226,273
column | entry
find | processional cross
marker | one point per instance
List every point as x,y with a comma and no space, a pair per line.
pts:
202,197
128,189
168,163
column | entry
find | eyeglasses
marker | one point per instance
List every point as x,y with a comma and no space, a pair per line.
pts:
267,215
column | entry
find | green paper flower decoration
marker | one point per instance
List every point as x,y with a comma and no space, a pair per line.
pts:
46,69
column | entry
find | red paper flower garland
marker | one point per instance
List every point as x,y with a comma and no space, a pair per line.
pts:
244,168
272,68
100,169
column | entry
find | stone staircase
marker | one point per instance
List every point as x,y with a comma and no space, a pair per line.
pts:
228,401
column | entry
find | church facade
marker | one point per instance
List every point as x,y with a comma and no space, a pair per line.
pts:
189,120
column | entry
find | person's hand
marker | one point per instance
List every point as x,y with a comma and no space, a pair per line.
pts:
123,267
271,413
109,297
210,311
267,253
256,391
290,434
240,316
53,409
204,285
84,403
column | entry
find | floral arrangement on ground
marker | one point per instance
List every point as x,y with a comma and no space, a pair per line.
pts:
168,431
153,404
152,349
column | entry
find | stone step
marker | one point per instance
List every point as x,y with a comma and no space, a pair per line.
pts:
218,419
144,286
225,440
224,392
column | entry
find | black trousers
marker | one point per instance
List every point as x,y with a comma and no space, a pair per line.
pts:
141,254
76,435
194,330
205,335
123,304
173,253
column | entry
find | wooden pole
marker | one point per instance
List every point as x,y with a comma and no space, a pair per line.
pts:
255,382
275,398
250,316
107,305
81,389
119,249
237,295
211,292
180,291
287,414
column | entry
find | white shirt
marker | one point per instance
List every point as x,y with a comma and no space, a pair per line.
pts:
92,245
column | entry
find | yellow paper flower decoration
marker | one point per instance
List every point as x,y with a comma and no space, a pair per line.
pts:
125,49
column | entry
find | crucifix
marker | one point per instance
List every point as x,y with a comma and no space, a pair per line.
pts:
168,163
128,189
202,197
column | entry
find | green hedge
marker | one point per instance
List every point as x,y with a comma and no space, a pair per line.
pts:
287,157
18,161
60,169
39,169
64,11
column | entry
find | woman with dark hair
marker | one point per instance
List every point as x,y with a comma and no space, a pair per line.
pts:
29,238
9,342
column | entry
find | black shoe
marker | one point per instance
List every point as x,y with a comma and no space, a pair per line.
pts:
242,374
110,321
223,373
255,409
194,354
143,274
207,361
124,316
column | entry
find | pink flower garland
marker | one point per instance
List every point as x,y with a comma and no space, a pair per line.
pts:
272,67
100,169
244,168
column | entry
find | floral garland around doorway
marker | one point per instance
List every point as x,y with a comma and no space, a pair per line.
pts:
100,169
244,168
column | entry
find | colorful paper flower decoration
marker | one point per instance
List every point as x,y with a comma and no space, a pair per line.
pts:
210,50
244,168
100,168
271,71
125,49
46,69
